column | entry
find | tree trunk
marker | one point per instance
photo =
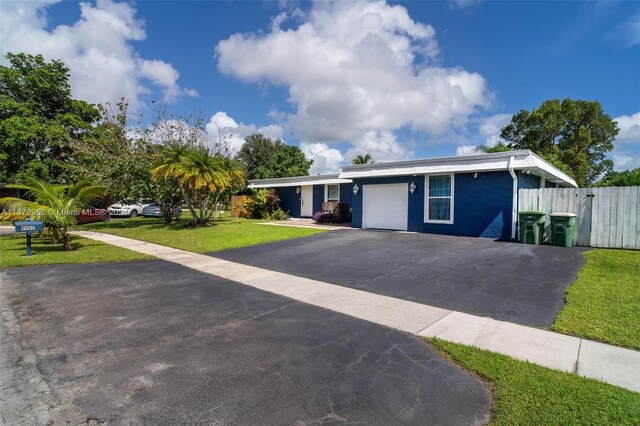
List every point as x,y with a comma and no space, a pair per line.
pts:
55,237
66,246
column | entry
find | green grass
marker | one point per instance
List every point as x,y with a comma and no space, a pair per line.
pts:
13,248
527,394
223,234
604,302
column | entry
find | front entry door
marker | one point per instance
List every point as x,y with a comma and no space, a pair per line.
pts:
306,201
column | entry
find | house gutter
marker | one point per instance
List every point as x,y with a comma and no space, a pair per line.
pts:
514,210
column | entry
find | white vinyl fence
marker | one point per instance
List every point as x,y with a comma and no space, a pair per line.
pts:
606,217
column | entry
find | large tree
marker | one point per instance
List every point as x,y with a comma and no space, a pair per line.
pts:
264,158
575,135
38,118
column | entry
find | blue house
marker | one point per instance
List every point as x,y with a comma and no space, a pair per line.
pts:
303,196
474,195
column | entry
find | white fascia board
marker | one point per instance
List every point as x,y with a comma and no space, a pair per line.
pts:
281,183
552,173
523,160
463,165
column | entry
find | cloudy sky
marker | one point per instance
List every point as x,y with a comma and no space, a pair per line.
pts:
397,80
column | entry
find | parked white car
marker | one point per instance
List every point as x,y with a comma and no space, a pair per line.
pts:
128,208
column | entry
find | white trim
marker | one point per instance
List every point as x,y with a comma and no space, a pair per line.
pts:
326,191
523,160
451,199
514,199
297,181
404,188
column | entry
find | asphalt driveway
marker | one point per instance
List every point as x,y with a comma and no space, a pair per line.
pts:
506,281
156,343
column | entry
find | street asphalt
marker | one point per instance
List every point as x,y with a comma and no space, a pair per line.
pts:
156,343
502,280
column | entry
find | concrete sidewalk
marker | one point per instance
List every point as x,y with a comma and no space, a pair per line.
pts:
611,364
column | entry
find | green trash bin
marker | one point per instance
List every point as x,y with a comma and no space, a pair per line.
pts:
562,226
531,226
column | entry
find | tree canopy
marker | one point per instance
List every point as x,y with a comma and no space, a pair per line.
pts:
574,135
38,118
623,178
201,175
264,158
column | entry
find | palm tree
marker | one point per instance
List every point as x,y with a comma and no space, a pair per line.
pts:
55,205
199,174
363,159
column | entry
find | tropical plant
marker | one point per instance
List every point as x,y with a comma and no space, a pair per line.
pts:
200,175
56,205
363,159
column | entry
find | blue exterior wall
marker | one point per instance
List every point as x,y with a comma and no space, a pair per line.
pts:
549,184
318,198
482,205
289,200
526,181
346,193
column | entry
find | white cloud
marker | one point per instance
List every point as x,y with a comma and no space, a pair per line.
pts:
625,162
233,134
272,131
325,159
629,126
382,146
356,67
491,127
628,32
97,49
466,150
462,4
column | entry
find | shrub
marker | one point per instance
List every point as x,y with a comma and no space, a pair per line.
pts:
265,203
323,217
243,206
279,214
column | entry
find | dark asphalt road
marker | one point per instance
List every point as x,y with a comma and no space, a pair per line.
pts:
506,281
155,343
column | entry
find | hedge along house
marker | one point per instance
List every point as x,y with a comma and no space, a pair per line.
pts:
474,195
303,196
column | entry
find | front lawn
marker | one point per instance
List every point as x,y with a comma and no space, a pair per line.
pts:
604,302
527,394
13,248
222,234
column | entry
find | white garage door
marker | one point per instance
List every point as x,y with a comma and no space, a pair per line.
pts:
385,206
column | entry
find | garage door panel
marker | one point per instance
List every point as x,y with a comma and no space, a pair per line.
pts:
385,206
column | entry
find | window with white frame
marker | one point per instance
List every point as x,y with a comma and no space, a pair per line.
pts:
438,202
332,193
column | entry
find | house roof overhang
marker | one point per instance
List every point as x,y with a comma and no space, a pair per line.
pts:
297,181
523,160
